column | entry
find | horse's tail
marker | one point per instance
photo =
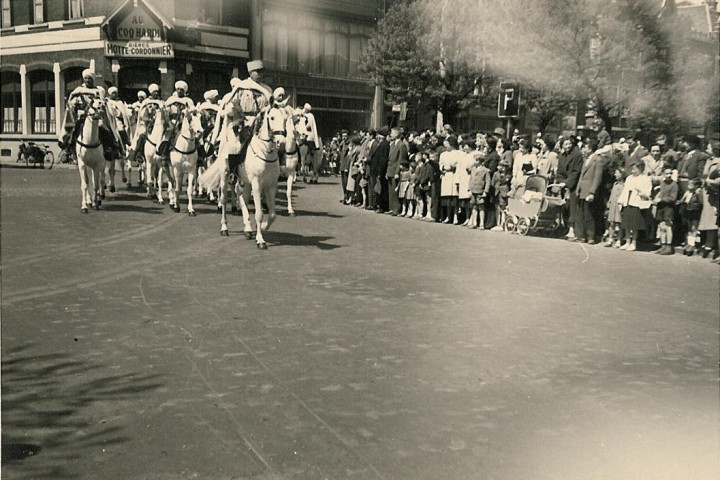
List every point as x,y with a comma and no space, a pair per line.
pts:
210,178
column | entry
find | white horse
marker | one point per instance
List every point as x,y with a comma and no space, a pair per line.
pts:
184,157
296,131
154,166
90,157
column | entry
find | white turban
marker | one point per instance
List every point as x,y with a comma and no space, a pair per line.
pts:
307,107
253,65
153,87
87,73
112,89
142,94
235,82
181,84
210,94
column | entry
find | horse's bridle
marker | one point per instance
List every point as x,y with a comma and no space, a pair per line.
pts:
94,116
189,139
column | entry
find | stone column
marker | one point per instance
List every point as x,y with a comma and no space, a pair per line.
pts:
25,102
59,98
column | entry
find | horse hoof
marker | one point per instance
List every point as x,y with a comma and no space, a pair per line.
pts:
129,185
262,246
84,210
124,179
96,207
291,214
192,214
224,233
112,189
249,235
176,209
234,209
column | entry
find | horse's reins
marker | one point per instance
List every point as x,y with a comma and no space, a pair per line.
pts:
189,139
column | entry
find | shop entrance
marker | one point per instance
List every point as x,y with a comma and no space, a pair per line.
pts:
136,77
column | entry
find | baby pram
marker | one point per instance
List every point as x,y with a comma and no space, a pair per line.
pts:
533,209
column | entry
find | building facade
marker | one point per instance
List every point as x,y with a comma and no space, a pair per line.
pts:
310,47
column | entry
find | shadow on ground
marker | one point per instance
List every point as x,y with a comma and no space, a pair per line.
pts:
46,425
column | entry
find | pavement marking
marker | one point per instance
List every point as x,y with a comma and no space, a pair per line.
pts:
115,238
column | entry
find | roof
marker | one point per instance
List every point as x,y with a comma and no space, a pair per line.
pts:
136,3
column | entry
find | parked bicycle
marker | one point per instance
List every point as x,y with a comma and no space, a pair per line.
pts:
66,156
31,153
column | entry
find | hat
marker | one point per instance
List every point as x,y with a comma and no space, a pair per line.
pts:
142,94
383,131
153,87
112,90
87,73
307,107
499,131
254,65
210,94
181,84
280,97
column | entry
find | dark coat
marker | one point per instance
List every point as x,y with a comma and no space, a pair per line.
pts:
590,177
397,156
692,165
491,161
569,166
379,159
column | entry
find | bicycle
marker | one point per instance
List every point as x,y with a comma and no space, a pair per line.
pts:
30,152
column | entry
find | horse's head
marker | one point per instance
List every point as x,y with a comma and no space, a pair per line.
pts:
192,123
95,108
274,124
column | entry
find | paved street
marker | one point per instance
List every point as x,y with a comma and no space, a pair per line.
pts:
139,344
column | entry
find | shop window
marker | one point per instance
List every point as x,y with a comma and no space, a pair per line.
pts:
75,9
38,11
42,101
6,14
11,99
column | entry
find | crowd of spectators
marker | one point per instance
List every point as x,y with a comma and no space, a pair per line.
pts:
617,194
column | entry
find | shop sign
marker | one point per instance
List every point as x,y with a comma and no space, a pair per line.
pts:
139,49
137,26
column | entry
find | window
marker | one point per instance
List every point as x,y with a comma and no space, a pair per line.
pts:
204,79
11,99
6,14
42,101
75,9
38,11
73,79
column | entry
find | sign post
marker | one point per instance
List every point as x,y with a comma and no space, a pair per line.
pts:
509,103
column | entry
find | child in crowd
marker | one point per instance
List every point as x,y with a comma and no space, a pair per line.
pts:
635,201
665,203
479,186
363,181
403,187
614,217
410,197
501,186
690,206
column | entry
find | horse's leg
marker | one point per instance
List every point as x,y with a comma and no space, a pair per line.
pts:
83,187
270,198
190,191
110,170
97,174
243,198
158,184
149,176
221,207
288,191
257,200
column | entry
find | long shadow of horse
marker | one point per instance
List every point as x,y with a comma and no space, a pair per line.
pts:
45,398
119,207
310,213
275,238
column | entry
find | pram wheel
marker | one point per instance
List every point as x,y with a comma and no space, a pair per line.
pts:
523,226
511,223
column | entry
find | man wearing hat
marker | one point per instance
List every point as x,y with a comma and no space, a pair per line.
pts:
175,106
78,100
146,113
377,166
118,110
309,143
208,112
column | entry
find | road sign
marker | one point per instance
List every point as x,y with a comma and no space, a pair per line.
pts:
509,100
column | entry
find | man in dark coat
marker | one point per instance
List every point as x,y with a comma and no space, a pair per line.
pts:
569,165
344,166
591,172
378,163
397,156
691,164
